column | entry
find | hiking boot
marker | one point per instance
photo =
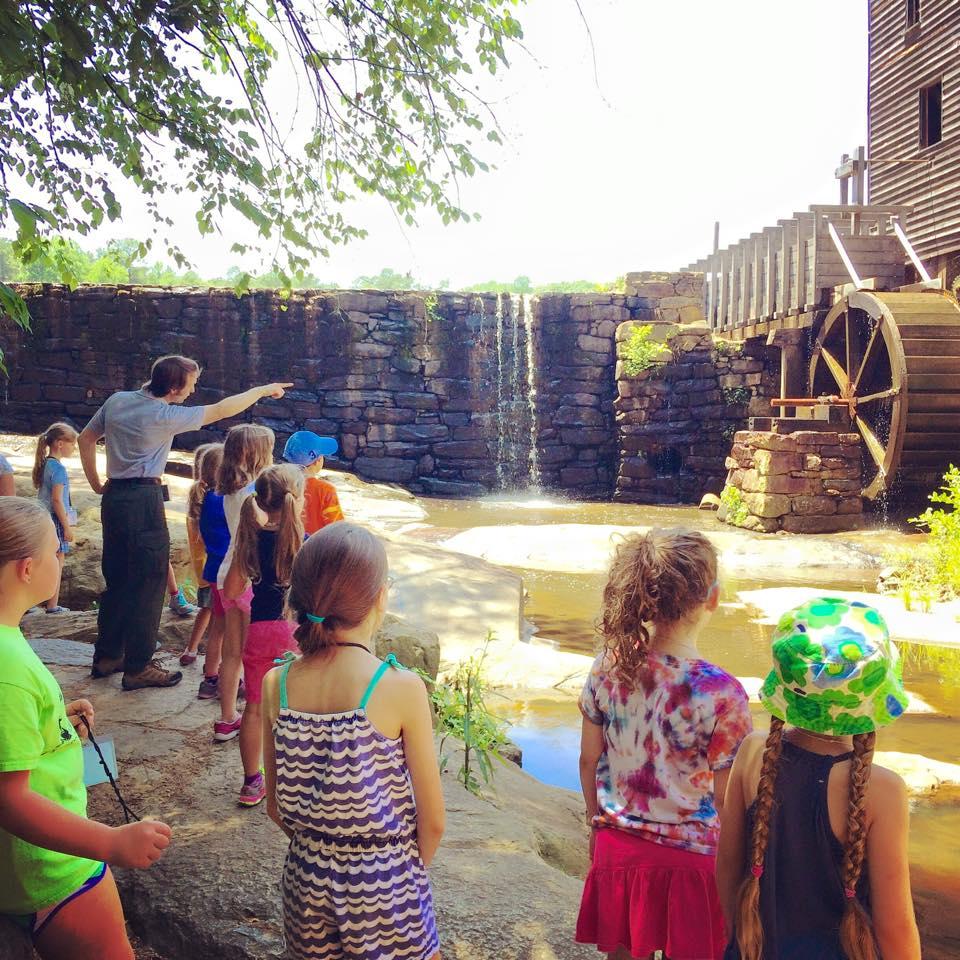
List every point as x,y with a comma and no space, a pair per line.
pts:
224,730
106,666
208,689
252,793
181,606
152,675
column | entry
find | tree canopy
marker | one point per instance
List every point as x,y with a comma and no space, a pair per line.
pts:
280,111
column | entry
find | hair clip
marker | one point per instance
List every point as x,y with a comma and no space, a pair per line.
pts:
313,618
849,893
757,870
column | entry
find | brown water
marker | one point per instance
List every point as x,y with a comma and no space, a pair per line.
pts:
562,608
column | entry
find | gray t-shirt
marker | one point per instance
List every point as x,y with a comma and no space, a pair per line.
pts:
139,431
5,465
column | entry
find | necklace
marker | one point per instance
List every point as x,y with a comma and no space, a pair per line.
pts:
347,643
694,653
835,741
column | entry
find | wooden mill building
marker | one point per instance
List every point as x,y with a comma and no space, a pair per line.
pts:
913,154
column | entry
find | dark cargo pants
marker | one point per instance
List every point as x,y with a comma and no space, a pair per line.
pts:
136,551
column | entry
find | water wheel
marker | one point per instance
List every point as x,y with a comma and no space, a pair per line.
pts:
895,358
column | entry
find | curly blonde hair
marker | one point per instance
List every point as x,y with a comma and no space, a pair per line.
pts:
655,578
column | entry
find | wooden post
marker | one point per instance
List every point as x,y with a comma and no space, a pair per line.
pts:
844,181
723,304
859,176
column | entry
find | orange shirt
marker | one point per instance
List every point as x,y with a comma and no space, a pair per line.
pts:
320,504
198,553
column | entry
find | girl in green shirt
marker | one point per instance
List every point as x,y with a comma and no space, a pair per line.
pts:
54,878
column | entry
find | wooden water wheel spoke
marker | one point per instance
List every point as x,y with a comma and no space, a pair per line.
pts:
836,368
882,395
872,443
869,357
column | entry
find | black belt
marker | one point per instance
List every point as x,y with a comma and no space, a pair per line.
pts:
133,481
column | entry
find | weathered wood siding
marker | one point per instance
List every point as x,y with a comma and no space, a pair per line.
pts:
901,64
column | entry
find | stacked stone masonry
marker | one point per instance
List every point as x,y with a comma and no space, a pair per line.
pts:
676,419
801,482
448,394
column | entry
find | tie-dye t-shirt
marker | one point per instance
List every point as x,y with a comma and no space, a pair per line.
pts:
664,738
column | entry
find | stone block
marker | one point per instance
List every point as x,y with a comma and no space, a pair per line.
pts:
468,449
417,401
451,488
390,469
814,506
761,524
767,504
576,477
849,505
812,462
569,416
754,482
776,461
832,524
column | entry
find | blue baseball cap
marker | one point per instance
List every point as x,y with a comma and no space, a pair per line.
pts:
304,447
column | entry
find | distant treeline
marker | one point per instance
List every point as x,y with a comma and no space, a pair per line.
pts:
123,261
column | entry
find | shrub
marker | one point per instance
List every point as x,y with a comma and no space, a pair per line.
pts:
462,713
737,510
640,352
735,395
944,527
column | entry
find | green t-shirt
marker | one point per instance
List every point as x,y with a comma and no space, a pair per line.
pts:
36,735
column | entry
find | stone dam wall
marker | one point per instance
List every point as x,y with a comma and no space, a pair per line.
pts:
447,394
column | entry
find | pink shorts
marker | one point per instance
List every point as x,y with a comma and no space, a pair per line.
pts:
267,641
647,896
220,604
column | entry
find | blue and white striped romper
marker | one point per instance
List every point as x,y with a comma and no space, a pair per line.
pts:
353,884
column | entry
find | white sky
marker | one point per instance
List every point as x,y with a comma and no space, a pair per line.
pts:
702,110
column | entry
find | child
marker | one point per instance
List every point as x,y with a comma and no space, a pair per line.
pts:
52,482
54,878
320,503
247,451
212,526
352,776
661,727
268,538
198,556
813,834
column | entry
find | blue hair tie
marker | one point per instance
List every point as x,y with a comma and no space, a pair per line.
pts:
313,618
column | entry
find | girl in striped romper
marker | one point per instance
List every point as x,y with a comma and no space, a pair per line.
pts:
351,771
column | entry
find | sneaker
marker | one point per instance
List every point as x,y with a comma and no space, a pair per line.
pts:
187,658
208,689
252,793
224,730
105,666
241,691
181,606
58,609
152,675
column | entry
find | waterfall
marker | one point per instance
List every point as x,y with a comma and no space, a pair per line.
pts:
483,316
533,458
501,426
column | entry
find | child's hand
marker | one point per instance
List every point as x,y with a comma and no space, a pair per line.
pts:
68,534
139,844
77,709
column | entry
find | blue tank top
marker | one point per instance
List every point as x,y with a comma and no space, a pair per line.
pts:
802,864
215,534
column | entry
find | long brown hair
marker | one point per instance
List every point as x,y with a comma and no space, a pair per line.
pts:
24,522
338,575
247,450
856,934
206,462
279,489
46,440
657,577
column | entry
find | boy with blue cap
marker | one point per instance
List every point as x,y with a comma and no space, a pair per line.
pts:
306,450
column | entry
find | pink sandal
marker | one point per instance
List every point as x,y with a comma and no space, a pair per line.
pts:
186,658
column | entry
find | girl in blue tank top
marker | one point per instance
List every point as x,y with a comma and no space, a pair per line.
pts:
813,836
352,775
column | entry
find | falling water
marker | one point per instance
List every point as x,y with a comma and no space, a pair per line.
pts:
534,454
483,316
501,426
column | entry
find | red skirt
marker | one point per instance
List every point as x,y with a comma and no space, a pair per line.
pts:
646,896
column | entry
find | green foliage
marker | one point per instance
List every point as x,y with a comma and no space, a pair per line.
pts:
944,541
737,510
462,713
944,662
523,285
388,279
728,431
734,396
728,348
640,352
430,306
172,99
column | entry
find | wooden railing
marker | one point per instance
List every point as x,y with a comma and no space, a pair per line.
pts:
793,268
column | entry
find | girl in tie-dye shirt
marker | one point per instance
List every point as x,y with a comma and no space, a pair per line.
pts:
661,727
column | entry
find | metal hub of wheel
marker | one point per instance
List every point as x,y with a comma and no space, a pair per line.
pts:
895,359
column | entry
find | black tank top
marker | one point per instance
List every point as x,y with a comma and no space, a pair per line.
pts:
801,890
268,595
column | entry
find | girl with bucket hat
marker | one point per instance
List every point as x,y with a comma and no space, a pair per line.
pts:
813,838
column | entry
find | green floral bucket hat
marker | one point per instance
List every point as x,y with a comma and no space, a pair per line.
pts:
836,670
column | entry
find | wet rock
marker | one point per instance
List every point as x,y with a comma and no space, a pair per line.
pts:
710,501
